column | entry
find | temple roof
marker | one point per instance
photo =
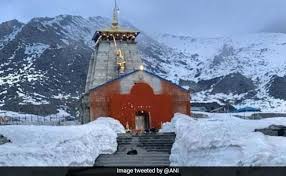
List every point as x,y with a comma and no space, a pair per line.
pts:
115,30
119,31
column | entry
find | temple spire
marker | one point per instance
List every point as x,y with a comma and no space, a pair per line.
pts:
115,16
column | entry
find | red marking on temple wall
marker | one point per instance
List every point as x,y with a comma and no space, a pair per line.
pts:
108,101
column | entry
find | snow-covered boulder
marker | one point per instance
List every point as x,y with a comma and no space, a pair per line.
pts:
224,140
59,145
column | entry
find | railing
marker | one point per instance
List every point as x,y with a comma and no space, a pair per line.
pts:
53,120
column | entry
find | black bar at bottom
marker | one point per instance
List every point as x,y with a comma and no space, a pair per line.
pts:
146,171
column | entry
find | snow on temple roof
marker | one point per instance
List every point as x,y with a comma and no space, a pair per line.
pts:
133,72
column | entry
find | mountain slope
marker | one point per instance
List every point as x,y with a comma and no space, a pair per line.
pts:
43,63
254,62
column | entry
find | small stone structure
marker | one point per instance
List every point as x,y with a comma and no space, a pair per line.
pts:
4,140
261,115
273,130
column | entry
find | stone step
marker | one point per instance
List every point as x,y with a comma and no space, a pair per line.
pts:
146,140
130,162
129,146
148,134
145,144
134,160
147,137
162,150
154,144
152,150
134,164
145,152
143,155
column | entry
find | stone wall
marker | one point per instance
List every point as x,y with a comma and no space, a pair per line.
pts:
103,66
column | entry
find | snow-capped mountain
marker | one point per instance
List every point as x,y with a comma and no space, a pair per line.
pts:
248,69
43,64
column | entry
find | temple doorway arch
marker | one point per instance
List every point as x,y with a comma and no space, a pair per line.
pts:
142,120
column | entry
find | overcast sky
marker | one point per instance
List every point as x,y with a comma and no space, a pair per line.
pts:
195,17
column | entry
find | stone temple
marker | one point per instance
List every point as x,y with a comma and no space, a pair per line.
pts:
118,86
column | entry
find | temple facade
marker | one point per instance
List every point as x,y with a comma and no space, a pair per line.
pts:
118,86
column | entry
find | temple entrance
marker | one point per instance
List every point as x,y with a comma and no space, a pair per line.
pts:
141,108
142,120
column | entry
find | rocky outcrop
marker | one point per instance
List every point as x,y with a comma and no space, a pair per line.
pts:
234,83
9,27
277,87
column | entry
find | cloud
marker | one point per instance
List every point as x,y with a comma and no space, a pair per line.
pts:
196,17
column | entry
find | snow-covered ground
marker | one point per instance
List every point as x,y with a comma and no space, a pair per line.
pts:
225,140
59,145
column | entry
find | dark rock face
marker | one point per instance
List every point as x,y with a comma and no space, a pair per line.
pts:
194,87
277,87
207,84
8,27
234,83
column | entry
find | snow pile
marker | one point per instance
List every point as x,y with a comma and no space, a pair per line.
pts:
59,146
224,140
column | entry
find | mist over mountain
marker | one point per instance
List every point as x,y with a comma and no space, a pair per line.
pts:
277,26
44,62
